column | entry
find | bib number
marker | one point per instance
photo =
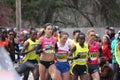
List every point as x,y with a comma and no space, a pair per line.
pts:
62,57
49,48
93,55
83,56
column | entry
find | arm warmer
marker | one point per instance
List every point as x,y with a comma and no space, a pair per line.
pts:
39,49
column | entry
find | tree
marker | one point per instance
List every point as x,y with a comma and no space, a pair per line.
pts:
5,13
39,11
74,13
110,9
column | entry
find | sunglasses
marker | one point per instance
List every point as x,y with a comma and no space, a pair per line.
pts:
11,34
92,35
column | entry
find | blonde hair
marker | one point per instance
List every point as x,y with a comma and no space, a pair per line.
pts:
88,32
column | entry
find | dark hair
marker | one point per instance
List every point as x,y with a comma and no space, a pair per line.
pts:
108,41
76,31
80,34
32,30
11,30
107,27
3,31
102,61
47,24
64,33
110,73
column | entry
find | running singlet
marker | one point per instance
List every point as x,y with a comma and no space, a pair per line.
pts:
83,52
93,53
32,55
48,45
74,42
62,53
117,53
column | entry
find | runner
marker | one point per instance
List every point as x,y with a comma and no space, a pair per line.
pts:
117,56
117,50
62,64
74,42
47,43
30,59
93,55
75,34
80,54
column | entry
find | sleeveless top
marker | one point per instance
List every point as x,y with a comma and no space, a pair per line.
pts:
117,52
83,52
48,45
62,52
93,53
32,55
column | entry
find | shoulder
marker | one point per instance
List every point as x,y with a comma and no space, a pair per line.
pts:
37,41
27,41
96,44
86,45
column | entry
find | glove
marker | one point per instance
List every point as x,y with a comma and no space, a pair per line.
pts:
89,59
39,51
76,57
70,58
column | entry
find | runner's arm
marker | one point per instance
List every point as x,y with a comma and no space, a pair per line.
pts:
25,47
39,49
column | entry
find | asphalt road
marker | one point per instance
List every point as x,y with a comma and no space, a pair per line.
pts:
30,77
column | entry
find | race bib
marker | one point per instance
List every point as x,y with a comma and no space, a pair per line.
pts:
34,45
83,56
93,55
49,48
49,51
62,56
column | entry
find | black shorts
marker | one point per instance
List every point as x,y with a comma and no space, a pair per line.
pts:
47,64
79,70
33,61
92,68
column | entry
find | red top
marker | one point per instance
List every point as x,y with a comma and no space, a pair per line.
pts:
94,52
4,43
106,51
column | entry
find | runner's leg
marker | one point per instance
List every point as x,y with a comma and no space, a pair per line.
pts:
26,75
35,73
42,72
66,76
96,76
84,77
53,72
